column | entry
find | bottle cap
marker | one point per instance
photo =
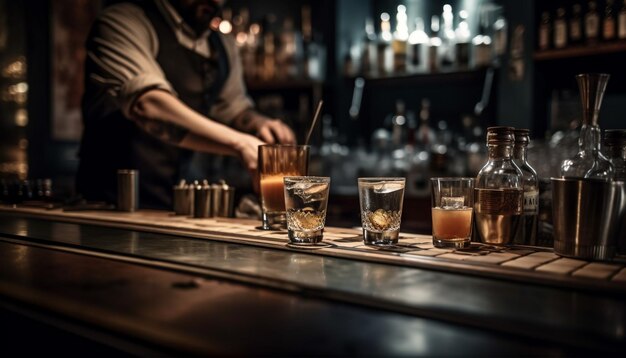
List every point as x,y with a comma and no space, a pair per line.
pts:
500,135
522,136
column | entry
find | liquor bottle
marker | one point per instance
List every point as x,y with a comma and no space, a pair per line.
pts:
592,23
608,26
615,149
544,31
576,25
425,136
463,36
434,55
368,53
482,48
498,193
500,34
560,29
448,37
399,42
418,47
621,26
589,162
527,234
384,51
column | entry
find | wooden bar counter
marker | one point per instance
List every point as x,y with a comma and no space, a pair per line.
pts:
152,283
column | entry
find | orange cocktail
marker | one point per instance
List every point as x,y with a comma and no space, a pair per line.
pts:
275,163
452,224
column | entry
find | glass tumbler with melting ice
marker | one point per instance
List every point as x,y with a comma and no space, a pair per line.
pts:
306,199
452,201
381,209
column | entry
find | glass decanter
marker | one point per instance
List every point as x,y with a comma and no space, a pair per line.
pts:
527,235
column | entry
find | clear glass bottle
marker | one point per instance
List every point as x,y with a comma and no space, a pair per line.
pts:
527,234
615,149
589,162
498,193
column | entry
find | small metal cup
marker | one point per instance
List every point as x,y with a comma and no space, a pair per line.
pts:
202,201
127,190
586,215
228,202
183,199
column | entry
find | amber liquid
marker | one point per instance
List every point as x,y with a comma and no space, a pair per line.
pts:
451,224
273,193
498,214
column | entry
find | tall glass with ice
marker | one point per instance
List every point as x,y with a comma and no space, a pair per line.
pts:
306,199
275,163
452,203
381,209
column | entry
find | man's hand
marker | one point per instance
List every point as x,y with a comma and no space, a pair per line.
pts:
272,131
248,149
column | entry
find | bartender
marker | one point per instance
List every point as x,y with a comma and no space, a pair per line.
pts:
159,86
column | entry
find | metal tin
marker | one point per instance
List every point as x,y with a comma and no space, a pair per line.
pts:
127,190
228,201
216,199
202,200
183,199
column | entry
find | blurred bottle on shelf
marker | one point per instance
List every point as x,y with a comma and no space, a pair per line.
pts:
592,23
615,150
544,31
621,22
500,35
560,29
576,25
384,51
368,53
609,22
434,48
417,48
399,42
448,37
463,36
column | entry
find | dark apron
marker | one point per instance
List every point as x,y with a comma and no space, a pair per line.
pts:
114,142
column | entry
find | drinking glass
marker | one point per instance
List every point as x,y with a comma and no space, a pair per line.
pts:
276,162
381,209
452,203
306,199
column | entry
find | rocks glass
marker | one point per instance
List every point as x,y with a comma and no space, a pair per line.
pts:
381,209
452,208
306,199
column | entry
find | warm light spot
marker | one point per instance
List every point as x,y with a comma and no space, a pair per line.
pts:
226,27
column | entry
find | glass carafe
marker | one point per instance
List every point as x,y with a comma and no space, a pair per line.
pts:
589,162
498,193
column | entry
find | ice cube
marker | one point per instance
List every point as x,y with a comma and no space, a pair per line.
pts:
312,192
386,188
380,219
452,202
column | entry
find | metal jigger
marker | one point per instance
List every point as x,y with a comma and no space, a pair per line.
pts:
592,87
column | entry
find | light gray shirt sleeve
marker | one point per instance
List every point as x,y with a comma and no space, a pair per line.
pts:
123,49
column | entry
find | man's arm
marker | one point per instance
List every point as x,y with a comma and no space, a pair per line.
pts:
164,116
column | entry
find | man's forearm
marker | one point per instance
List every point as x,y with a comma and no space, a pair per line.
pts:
163,116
